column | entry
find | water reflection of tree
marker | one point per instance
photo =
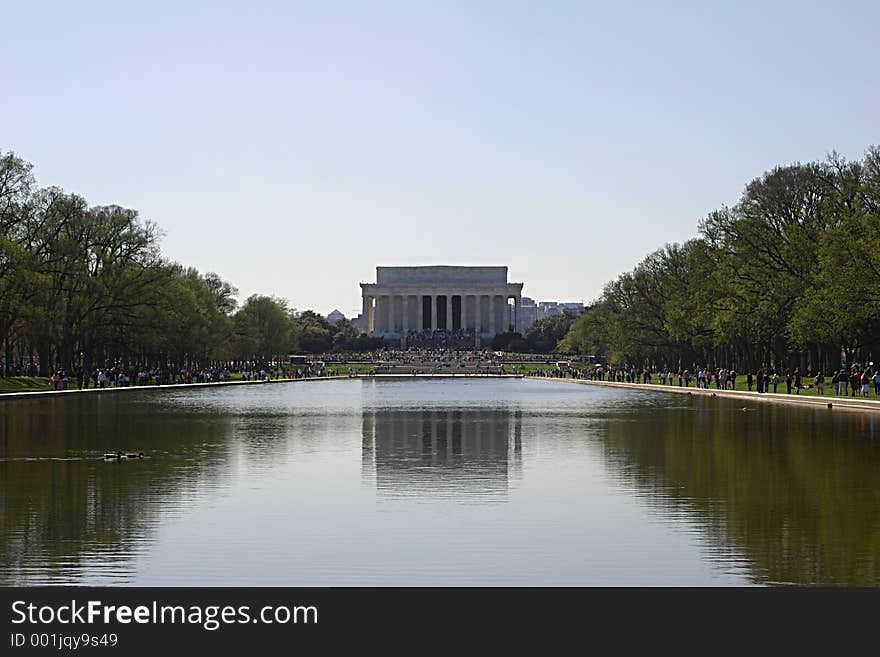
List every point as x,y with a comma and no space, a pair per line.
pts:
64,512
797,492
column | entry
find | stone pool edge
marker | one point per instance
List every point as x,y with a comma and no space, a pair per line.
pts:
831,403
178,386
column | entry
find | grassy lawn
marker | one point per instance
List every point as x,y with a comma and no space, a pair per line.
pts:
339,369
25,384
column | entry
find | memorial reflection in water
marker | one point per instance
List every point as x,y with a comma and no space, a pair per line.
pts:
466,453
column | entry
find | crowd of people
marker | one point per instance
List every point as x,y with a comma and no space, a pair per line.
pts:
436,360
853,381
427,339
118,376
434,352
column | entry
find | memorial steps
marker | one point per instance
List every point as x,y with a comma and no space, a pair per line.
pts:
439,367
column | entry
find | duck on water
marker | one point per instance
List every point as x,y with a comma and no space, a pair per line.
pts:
119,456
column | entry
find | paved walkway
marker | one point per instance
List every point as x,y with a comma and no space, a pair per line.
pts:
170,386
827,401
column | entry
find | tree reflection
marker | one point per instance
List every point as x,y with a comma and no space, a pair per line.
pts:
796,491
65,511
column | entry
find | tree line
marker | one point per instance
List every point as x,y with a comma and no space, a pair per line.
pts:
787,277
85,286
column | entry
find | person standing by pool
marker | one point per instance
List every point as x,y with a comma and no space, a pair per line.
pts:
877,383
855,382
797,380
788,380
775,381
844,381
820,383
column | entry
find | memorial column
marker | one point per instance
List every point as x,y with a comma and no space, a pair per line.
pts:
405,325
365,314
517,302
421,313
433,310
390,313
492,313
377,316
448,311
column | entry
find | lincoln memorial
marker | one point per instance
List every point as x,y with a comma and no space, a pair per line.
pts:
468,300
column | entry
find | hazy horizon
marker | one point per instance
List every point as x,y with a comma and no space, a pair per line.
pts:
292,149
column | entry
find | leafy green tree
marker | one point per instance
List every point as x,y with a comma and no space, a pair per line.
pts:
314,333
543,335
840,311
16,191
261,330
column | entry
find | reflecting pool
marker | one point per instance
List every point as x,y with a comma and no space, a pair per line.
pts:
448,482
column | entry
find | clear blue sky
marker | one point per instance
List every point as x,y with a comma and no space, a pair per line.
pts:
293,147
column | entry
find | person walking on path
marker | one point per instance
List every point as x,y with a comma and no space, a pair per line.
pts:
749,380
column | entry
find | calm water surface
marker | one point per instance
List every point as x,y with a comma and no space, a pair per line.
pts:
435,482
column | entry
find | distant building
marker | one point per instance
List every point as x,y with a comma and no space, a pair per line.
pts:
335,316
529,313
548,308
464,301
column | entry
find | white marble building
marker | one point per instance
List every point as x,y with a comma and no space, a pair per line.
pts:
440,298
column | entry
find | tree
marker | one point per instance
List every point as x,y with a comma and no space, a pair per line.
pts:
16,191
787,276
261,330
315,333
543,335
